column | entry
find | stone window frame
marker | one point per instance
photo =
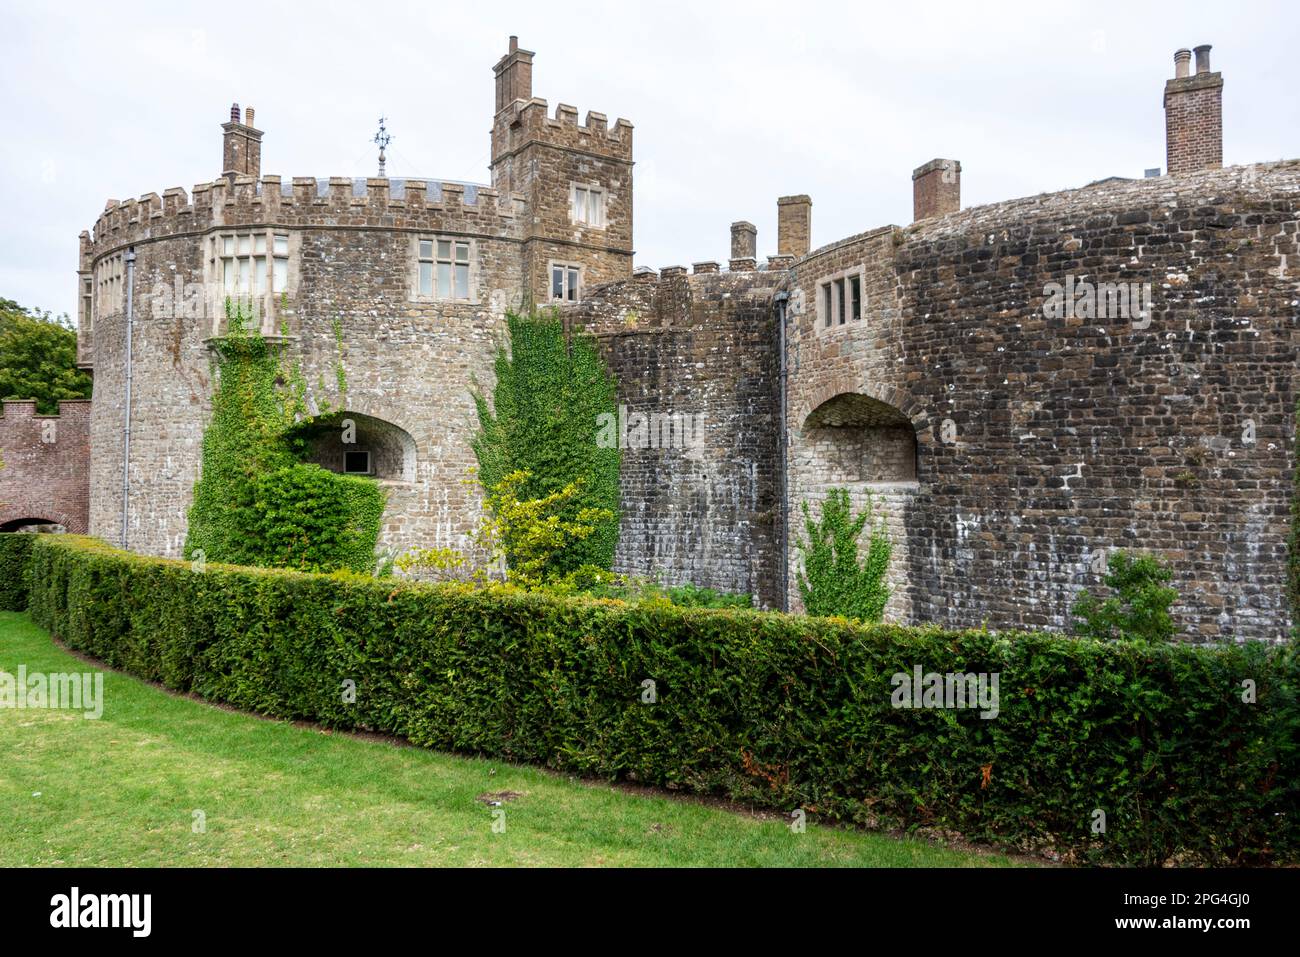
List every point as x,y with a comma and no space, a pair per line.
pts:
416,258
109,285
569,268
589,188
370,462
86,303
827,309
266,300
225,247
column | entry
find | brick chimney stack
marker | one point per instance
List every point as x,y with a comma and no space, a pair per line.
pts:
793,225
936,189
514,73
744,247
241,145
1193,115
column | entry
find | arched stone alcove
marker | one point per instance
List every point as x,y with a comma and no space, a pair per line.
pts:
853,439
353,443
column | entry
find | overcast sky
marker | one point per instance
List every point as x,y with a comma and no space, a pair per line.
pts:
733,104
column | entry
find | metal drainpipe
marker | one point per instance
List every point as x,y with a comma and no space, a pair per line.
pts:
126,418
782,298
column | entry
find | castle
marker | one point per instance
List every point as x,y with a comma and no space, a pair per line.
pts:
1021,387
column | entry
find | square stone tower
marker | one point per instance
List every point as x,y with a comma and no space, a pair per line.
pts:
575,179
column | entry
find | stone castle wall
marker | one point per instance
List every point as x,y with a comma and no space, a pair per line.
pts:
1004,449
1075,435
409,361
705,510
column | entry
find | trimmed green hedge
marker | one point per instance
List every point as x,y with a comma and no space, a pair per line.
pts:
777,710
14,551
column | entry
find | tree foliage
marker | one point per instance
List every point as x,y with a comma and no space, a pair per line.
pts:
38,358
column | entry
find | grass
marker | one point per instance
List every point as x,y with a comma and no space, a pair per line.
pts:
123,791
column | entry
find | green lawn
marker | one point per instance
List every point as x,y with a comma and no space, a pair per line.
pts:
122,791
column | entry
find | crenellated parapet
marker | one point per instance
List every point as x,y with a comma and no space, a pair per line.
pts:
530,121
308,202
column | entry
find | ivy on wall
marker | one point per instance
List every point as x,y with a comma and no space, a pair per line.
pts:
543,420
833,580
255,503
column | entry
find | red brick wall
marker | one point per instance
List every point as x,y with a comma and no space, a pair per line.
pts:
1194,123
46,464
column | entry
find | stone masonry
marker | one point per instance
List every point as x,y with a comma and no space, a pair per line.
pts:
1018,389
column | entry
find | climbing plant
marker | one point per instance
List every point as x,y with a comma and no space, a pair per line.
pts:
542,420
255,502
833,580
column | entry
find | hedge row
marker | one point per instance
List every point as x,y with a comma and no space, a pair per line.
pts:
777,710
14,550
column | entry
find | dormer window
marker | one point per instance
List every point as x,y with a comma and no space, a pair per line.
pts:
587,205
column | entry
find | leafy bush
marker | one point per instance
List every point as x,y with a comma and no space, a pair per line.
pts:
1138,610
14,552
255,503
308,518
775,710
833,581
629,588
521,538
542,420
525,535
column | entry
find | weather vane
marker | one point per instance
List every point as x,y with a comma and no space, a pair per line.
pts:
383,139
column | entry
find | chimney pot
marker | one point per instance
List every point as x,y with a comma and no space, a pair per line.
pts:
1202,59
1182,64
514,44
234,112
248,116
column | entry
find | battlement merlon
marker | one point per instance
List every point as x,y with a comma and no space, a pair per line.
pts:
304,202
529,122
